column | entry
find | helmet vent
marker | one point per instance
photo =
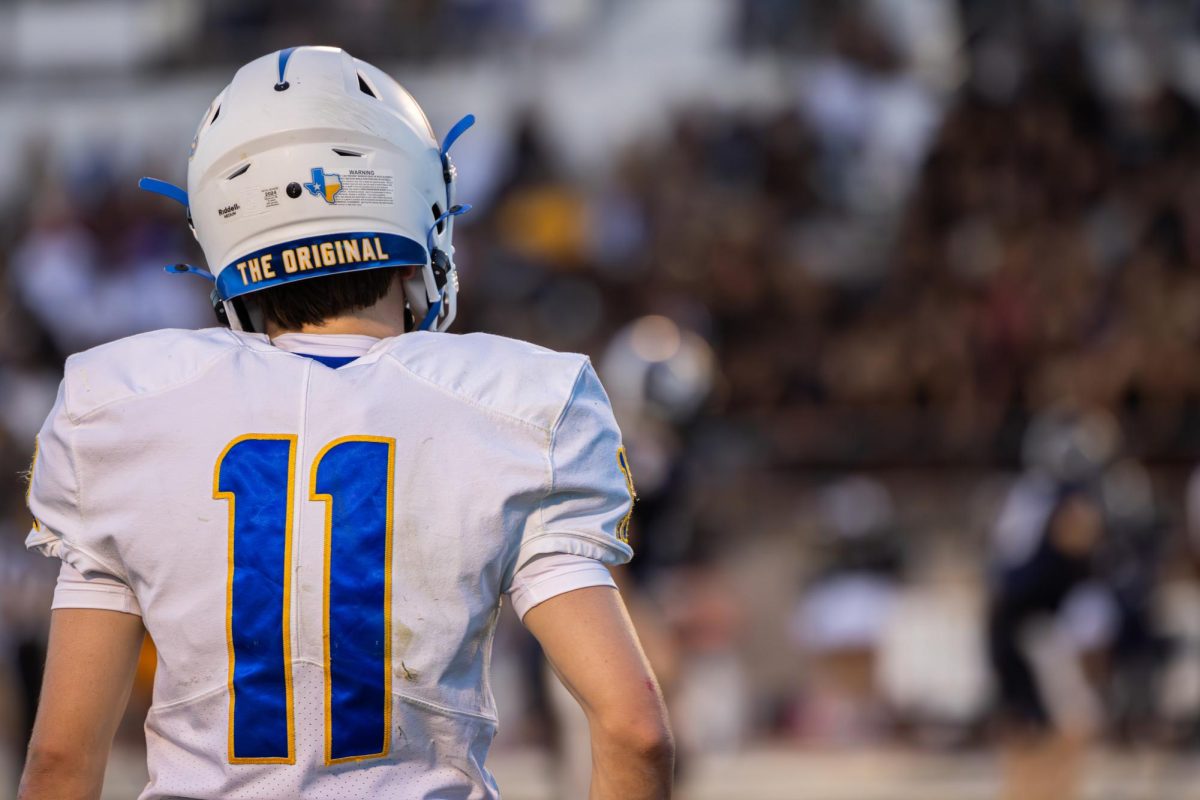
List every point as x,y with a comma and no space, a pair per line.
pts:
350,153
437,218
237,173
216,114
365,87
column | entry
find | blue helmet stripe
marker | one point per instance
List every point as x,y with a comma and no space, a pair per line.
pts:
284,55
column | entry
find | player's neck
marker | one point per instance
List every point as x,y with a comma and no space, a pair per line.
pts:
350,323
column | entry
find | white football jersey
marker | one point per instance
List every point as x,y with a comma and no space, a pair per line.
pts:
319,553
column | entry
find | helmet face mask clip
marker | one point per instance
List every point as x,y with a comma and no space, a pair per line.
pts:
309,163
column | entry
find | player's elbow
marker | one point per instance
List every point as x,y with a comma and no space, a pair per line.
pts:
642,731
58,764
49,758
48,773
654,742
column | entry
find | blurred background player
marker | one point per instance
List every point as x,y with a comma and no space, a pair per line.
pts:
1044,552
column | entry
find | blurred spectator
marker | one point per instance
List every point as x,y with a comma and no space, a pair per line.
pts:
845,611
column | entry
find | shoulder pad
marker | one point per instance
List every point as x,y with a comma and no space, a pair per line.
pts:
506,376
139,365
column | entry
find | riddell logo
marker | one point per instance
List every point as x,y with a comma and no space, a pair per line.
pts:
228,211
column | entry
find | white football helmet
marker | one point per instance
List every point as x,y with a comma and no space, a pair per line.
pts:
311,162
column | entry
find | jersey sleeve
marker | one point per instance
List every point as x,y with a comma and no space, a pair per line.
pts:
587,507
549,575
94,590
59,529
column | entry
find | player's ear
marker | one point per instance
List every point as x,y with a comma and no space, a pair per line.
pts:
403,274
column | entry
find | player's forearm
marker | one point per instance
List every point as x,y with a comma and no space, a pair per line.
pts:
61,776
632,764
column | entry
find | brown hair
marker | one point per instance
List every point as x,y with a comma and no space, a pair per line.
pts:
312,301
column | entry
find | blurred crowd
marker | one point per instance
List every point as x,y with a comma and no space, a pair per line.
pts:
909,347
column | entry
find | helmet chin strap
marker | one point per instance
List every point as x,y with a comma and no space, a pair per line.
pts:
188,269
431,316
235,313
441,264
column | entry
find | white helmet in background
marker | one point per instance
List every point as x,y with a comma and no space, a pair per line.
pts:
310,163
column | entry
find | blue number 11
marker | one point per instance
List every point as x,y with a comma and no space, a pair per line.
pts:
353,476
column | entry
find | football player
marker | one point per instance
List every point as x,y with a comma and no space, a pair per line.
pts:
316,509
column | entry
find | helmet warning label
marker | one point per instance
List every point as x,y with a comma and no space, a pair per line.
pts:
366,187
352,187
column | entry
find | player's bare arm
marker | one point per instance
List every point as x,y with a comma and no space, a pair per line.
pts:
591,644
89,673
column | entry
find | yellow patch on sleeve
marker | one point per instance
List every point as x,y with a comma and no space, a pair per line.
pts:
623,465
37,526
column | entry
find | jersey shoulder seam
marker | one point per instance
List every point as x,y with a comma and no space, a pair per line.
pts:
199,373
607,542
562,413
72,456
466,399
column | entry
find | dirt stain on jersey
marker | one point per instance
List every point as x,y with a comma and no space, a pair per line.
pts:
402,636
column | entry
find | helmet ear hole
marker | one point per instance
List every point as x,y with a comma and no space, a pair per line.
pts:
437,217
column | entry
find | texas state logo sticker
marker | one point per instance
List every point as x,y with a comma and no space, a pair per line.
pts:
352,187
325,185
